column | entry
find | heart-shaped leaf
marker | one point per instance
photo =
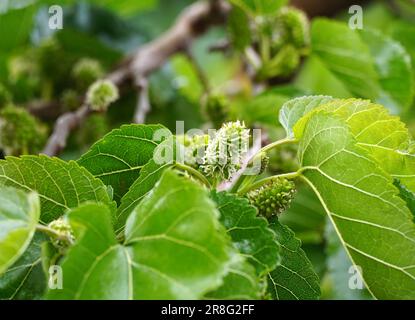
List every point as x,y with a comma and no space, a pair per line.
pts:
118,157
61,185
175,248
373,223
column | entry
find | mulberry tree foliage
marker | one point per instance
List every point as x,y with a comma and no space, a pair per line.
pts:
130,155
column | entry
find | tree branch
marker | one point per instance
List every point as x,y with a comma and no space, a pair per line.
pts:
193,21
143,103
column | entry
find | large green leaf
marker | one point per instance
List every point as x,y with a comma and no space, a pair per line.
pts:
149,175
344,53
295,109
61,185
25,279
19,214
241,283
393,65
294,278
118,157
175,248
384,136
250,233
366,64
340,270
373,223
305,216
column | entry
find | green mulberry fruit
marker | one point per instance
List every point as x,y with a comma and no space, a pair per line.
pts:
195,147
101,94
272,198
226,150
70,100
216,108
86,71
5,96
63,235
293,27
20,132
283,64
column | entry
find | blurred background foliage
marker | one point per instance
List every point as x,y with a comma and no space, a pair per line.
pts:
216,82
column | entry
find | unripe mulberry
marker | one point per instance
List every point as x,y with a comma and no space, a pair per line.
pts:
64,235
86,71
272,198
226,150
216,108
101,94
70,100
20,132
294,27
195,147
5,96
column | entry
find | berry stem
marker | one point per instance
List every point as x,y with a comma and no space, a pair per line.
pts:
264,149
276,144
194,173
259,183
52,233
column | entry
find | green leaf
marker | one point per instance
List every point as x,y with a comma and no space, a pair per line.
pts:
61,185
25,279
118,157
19,214
305,216
404,32
384,136
262,108
393,65
149,175
339,269
406,195
316,77
241,283
295,109
346,55
372,222
175,248
294,278
250,233
21,20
